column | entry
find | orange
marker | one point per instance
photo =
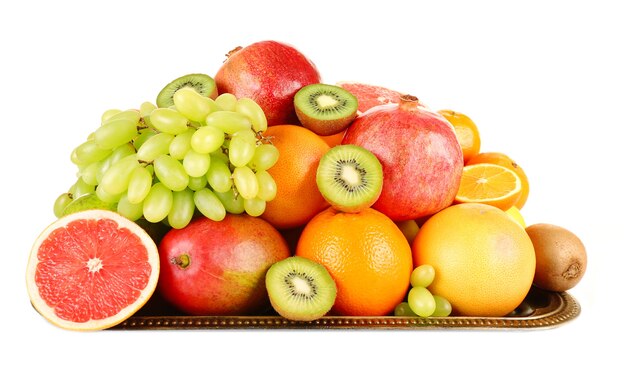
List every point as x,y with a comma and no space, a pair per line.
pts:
335,139
466,132
490,184
367,255
297,196
484,261
506,161
91,270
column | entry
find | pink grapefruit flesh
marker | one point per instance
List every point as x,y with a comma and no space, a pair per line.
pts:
91,270
370,96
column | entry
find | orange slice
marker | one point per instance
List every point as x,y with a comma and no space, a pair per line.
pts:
490,184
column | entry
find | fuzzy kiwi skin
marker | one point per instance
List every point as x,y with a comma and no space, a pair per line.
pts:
325,128
561,257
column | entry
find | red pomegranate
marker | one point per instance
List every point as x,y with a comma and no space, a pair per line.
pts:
270,73
420,153
218,267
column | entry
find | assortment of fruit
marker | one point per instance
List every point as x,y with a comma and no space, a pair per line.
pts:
262,190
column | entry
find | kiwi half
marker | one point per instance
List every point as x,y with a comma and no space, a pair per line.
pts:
202,83
325,109
300,289
350,177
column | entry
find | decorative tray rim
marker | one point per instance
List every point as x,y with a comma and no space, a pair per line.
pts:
560,308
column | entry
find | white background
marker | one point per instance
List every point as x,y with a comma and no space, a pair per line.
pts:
543,80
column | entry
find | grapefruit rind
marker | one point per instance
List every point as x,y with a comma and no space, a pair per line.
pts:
48,312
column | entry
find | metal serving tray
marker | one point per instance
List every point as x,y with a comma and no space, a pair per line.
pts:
540,309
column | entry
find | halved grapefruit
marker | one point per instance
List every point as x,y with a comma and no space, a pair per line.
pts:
369,96
91,270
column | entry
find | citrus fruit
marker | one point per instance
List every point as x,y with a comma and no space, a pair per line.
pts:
484,261
466,131
91,270
370,95
366,254
297,196
516,215
504,160
335,139
489,184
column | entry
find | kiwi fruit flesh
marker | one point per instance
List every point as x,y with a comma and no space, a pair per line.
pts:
561,257
325,109
349,177
300,289
202,83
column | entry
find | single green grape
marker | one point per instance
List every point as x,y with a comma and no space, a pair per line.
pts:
117,154
170,172
108,114
421,301
183,208
443,308
403,310
61,202
209,204
228,121
80,188
226,101
254,112
267,186
89,174
117,177
114,133
158,203
422,275
168,120
232,202
139,184
154,146
193,105
196,164
197,182
207,139
181,144
219,176
246,182
240,151
89,152
265,156
129,210
254,206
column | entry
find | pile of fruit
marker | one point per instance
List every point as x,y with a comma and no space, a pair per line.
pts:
261,190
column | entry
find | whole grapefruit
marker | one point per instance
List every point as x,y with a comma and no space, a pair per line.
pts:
484,261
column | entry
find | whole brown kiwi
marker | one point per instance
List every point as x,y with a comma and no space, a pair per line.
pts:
561,257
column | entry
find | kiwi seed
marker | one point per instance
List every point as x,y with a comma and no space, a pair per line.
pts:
202,83
300,289
325,109
350,177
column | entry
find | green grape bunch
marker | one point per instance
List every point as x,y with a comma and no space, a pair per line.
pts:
168,164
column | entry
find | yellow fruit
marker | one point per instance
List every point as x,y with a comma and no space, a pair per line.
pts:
515,213
484,261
